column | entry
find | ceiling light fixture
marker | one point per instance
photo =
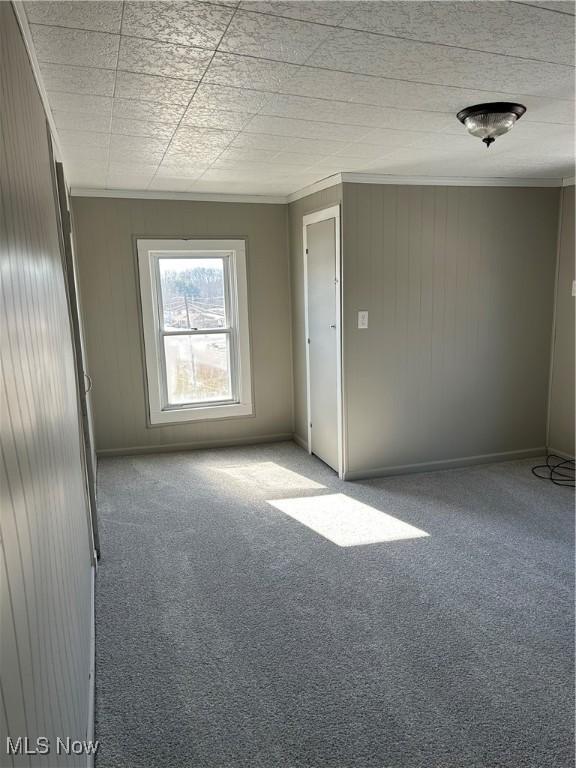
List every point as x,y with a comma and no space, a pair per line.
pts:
487,121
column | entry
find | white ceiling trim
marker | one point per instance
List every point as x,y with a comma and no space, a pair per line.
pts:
22,19
447,181
138,194
318,186
331,181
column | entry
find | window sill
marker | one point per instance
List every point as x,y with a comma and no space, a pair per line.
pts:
208,413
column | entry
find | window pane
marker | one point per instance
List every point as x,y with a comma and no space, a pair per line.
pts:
197,368
193,293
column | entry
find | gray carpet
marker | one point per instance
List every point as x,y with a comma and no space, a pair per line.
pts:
230,635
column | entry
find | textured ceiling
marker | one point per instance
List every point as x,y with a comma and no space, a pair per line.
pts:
267,97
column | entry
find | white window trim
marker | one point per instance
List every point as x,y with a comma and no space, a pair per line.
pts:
159,411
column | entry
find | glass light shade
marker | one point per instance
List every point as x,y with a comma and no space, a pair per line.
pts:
490,125
487,121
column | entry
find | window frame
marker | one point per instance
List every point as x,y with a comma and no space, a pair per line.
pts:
233,253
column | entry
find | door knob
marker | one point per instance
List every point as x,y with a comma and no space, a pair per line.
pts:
333,326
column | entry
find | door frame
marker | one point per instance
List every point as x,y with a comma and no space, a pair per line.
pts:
333,212
83,380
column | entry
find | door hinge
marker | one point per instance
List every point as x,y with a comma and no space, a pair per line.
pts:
306,250
308,341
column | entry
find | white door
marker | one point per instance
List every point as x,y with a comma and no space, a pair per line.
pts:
322,287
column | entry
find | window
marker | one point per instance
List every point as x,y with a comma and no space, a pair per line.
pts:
196,336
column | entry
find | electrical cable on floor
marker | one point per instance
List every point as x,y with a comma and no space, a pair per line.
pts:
557,469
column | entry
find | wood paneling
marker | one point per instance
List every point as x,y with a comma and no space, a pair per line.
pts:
297,210
45,566
458,282
105,236
561,429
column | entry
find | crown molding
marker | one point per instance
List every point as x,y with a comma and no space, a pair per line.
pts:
317,186
446,181
27,36
213,197
569,182
330,181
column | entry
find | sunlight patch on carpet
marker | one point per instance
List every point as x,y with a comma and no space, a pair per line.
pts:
345,521
269,476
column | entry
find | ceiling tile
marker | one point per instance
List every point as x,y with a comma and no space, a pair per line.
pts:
319,146
145,144
191,139
170,184
210,118
156,58
98,16
247,123
221,97
332,12
77,102
296,159
192,158
244,72
367,151
57,45
386,138
355,114
548,110
247,154
85,155
86,176
389,57
131,167
550,132
180,171
561,6
84,80
262,141
304,129
184,23
137,156
78,122
166,90
242,175
130,127
362,89
127,181
70,138
504,28
147,110
272,37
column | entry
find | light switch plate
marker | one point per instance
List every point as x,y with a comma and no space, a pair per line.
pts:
573,287
363,319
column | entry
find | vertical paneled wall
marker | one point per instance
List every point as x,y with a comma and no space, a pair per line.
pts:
561,429
297,210
106,230
45,566
459,284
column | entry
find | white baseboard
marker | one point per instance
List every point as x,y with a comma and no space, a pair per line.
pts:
560,453
300,441
131,450
92,669
432,466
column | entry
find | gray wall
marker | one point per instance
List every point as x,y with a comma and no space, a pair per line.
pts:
459,286
561,426
45,568
297,210
105,230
